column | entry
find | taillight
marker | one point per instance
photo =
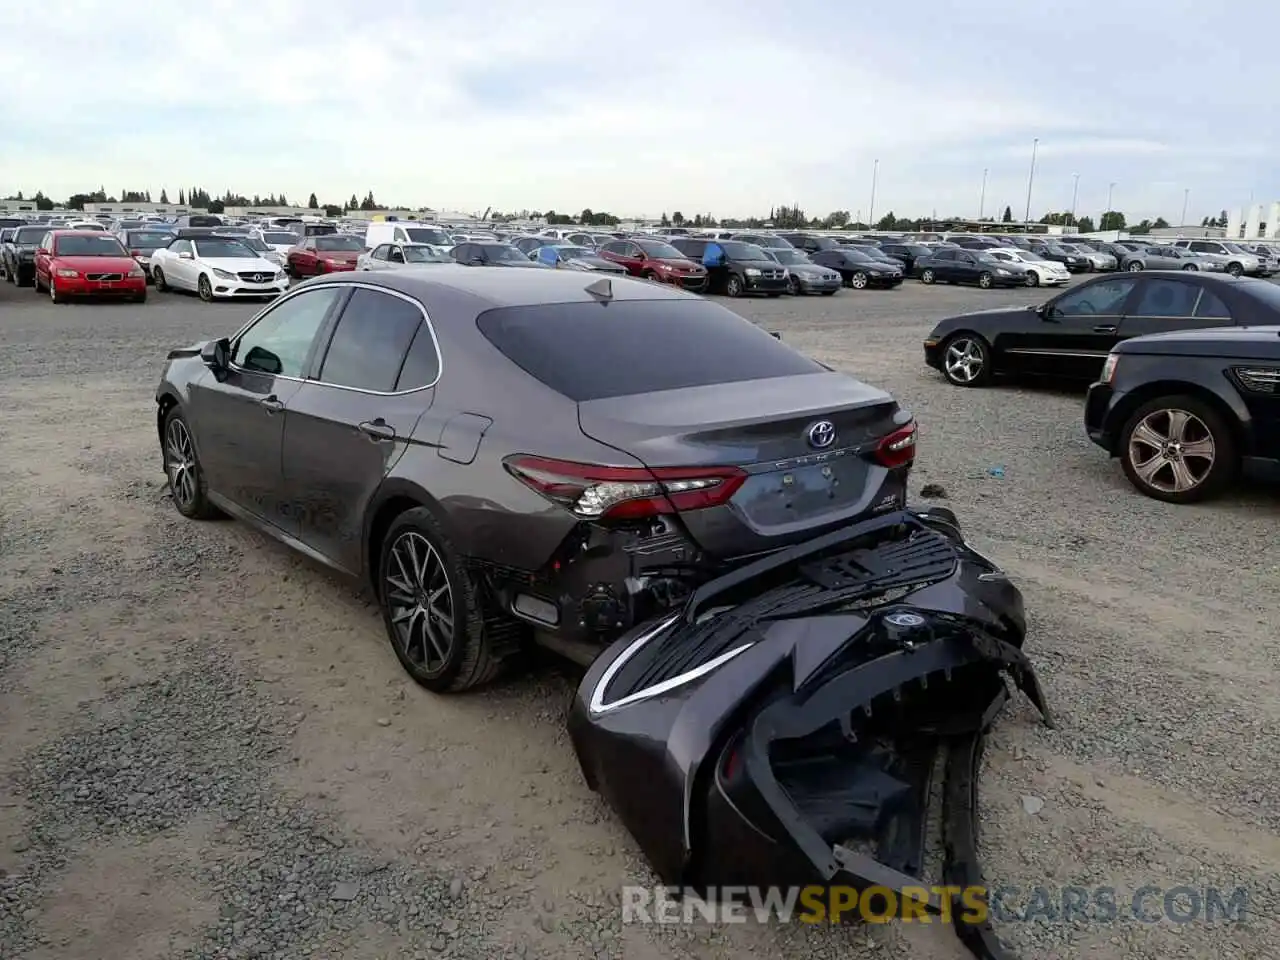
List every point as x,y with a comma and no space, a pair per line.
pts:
595,492
897,449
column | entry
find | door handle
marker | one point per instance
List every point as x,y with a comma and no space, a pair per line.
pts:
377,429
1104,328
271,404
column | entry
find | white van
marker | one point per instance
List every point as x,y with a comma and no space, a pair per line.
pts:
406,231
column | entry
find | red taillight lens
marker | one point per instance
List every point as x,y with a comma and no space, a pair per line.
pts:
595,492
898,449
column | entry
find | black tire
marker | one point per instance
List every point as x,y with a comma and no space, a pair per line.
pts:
1091,268
35,283
982,376
859,280
205,288
140,297
984,280
157,276
1226,458
1134,267
733,286
1033,279
53,292
1235,269
478,651
191,501
793,287
1191,268
927,276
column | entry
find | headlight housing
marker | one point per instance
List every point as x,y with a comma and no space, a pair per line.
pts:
224,274
751,272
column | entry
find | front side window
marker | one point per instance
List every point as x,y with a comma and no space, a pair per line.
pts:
280,341
369,345
1107,298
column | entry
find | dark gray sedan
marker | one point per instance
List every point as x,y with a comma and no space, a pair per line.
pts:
506,455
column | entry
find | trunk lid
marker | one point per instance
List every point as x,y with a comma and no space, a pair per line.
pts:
795,485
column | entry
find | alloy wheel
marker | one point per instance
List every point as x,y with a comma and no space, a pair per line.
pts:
1172,451
180,463
964,360
420,599
204,288
984,281
858,281
1033,279
926,276
1135,267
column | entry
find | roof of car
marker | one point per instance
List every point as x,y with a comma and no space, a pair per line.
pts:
490,287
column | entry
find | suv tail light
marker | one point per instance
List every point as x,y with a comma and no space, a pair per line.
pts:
595,492
898,449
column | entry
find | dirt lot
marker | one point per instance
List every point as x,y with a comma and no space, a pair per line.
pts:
205,738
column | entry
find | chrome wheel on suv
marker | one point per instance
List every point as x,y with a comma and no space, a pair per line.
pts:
1177,449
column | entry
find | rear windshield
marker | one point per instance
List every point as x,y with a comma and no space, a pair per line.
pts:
592,351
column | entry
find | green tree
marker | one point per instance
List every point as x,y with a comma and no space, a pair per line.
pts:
1160,223
677,218
887,222
313,203
1112,220
216,206
665,221
1007,216
836,219
1085,225
586,218
332,210
182,198
164,195
42,202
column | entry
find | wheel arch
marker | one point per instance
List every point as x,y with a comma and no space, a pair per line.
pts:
1234,414
166,400
394,497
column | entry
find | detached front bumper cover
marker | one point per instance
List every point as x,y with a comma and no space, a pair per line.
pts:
787,727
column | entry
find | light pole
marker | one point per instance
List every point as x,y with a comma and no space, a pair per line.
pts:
1030,180
982,198
1075,194
1186,195
871,210
1110,190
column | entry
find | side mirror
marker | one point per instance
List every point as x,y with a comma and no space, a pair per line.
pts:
42,252
216,354
184,255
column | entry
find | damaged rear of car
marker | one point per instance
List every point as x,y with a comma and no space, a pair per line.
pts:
789,725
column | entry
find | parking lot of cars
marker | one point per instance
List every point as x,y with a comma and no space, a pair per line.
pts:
195,711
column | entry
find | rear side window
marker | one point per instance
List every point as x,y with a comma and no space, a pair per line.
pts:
591,351
422,364
369,345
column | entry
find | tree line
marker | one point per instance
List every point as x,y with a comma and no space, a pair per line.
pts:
784,217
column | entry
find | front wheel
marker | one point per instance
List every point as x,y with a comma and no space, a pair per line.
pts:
1235,269
859,281
927,276
205,288
966,360
432,609
1178,449
1134,268
733,286
182,467
1191,268
157,275
984,280
54,297
793,287
1033,279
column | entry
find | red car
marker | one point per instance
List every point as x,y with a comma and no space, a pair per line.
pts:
655,260
312,256
80,263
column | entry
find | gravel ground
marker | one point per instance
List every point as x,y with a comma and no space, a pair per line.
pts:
210,751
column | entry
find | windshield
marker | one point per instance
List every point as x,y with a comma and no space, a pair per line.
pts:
31,235
253,243
423,255
857,256
984,257
224,248
789,256
281,238
659,250
152,240
1263,291
428,235
737,250
88,246
503,251
1029,256
331,244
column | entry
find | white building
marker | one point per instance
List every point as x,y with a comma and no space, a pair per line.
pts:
140,208
1255,223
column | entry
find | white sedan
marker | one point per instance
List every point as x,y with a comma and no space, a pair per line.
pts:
281,241
397,256
1040,272
217,268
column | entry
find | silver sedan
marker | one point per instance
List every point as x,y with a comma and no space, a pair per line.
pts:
397,256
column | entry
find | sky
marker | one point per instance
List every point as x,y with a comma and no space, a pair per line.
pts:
648,108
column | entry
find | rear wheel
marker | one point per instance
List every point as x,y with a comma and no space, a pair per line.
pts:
1134,267
1178,449
1191,267
1235,269
432,609
966,360
927,276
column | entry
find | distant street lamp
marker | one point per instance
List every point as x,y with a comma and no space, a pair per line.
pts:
871,210
1031,179
1110,189
982,198
1186,195
1075,193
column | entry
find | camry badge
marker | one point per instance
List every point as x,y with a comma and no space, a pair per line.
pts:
821,434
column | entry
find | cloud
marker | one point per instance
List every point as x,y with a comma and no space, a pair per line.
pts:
517,105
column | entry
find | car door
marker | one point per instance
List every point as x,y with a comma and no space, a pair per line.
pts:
238,419
346,427
377,257
395,257
1076,329
630,256
1166,259
964,269
1173,303
180,270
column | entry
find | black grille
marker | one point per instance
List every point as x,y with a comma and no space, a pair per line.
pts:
256,276
104,276
771,274
924,557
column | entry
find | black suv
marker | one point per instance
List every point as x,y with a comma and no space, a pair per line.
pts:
1185,412
20,253
735,268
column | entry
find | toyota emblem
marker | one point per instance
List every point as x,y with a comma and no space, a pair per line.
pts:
822,434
